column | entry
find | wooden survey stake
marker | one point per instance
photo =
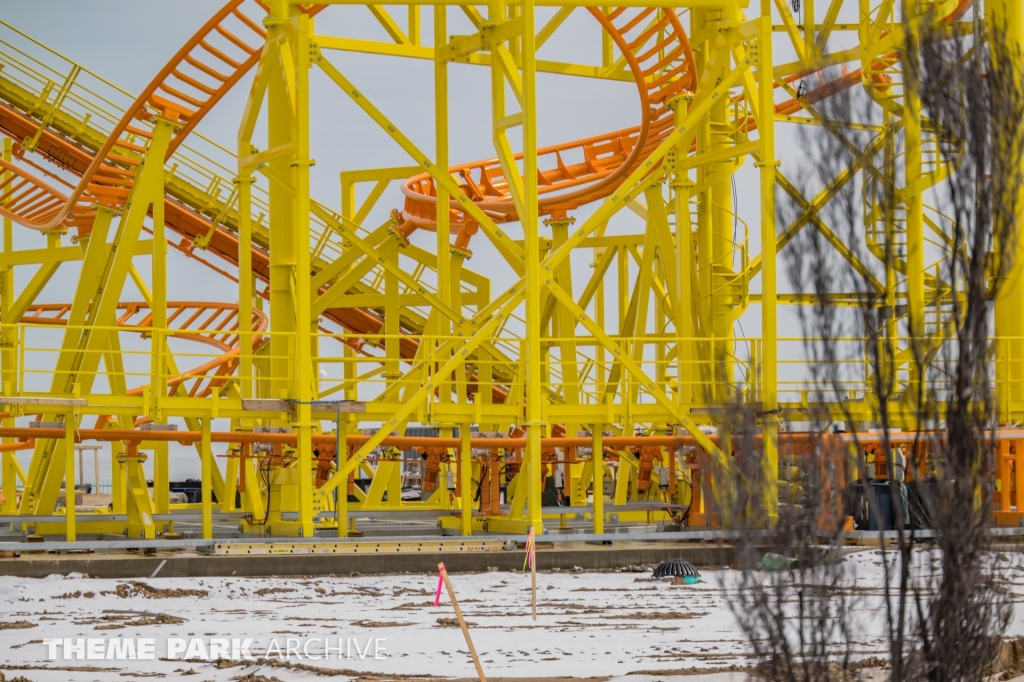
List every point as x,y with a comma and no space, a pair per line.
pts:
531,559
462,623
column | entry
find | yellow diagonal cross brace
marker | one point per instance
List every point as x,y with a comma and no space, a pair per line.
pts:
457,354
502,242
633,368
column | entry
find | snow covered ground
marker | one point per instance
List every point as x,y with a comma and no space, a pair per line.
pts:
590,624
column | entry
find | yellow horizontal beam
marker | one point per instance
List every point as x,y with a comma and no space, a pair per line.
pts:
727,153
143,247
377,174
266,156
613,240
848,125
373,47
849,300
477,58
376,300
852,54
697,4
781,28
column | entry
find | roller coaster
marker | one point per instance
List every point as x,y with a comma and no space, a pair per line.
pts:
549,400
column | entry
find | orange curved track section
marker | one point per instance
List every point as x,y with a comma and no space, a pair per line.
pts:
658,54
196,78
212,324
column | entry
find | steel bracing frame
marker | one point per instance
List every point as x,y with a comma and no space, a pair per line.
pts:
596,377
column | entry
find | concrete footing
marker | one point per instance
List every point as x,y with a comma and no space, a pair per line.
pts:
564,556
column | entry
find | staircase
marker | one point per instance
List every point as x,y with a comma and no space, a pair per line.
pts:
66,113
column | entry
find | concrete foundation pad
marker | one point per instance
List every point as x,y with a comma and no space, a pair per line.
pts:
183,564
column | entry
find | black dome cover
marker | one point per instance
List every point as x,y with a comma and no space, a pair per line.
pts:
675,567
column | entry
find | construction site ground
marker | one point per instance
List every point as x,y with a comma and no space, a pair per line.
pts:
621,625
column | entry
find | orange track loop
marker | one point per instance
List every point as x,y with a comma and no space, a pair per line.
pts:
603,159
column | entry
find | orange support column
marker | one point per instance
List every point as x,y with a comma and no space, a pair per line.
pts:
1016,454
1009,511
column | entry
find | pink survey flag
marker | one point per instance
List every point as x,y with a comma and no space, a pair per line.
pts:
440,584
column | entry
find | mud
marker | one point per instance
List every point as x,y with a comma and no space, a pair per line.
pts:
453,623
657,615
75,595
137,588
16,625
273,590
253,677
1011,658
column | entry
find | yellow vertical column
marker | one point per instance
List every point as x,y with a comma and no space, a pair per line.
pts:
705,236
769,329
303,385
600,375
598,461
414,24
607,45
892,327
809,28
206,462
392,341
8,353
158,339
350,392
565,324
1006,18
914,205
458,260
466,476
118,479
485,372
716,246
283,268
161,478
534,281
158,306
442,325
69,476
721,257
341,456
245,285
10,477
159,349
686,369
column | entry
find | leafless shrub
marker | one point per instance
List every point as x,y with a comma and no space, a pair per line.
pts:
924,367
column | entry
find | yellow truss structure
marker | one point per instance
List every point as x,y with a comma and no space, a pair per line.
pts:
342,325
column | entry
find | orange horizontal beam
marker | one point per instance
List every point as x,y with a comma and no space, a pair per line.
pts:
404,442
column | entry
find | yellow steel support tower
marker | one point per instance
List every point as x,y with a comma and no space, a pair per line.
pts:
352,329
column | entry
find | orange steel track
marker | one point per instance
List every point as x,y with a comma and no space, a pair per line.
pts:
212,324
